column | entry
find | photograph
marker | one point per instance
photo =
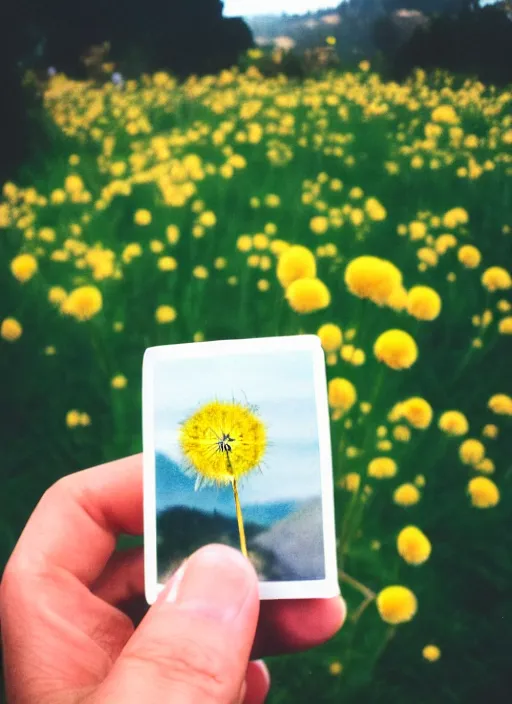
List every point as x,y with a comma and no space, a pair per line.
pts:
237,451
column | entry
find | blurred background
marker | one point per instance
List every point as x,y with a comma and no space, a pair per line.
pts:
175,172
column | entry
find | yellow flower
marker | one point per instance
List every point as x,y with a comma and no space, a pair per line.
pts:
396,348
417,230
445,114
336,668
10,330
469,256
200,272
165,314
73,418
308,295
445,242
156,246
57,295
375,209
83,303
23,267
453,423
402,433
73,184
484,492
167,263
319,224
505,325
490,431
471,451
351,481
373,278
119,381
384,445
503,306
330,336
413,545
223,441
46,234
342,394
418,412
85,419
406,495
142,217
396,604
501,404
423,303
398,299
431,653
208,218
382,468
454,217
486,466
272,200
496,278
131,250
263,285
172,233
420,480
295,263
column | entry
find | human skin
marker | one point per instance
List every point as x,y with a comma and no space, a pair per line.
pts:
66,636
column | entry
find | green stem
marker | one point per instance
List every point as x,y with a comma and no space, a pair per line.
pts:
240,520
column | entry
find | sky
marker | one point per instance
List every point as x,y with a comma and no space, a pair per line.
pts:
280,384
248,8
253,8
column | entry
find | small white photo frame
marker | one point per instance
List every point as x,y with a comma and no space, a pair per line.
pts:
248,418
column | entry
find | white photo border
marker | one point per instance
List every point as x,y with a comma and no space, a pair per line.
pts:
299,589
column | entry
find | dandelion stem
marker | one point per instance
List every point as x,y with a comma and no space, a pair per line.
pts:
239,518
363,589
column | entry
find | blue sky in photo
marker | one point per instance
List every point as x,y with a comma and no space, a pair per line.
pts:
280,384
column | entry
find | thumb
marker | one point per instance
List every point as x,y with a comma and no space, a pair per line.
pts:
194,644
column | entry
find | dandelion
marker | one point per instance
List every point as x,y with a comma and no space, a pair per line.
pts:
469,256
382,468
401,433
335,668
308,295
413,545
418,412
375,209
83,303
505,325
330,336
455,217
373,278
200,272
10,330
396,348
73,418
417,230
396,604
471,451
142,217
165,314
453,423
295,263
119,381
486,466
501,404
319,224
341,394
221,443
496,278
173,234
483,492
57,295
167,264
23,267
431,653
423,303
351,482
490,431
406,495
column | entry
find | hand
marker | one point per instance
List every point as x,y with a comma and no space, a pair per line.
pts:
67,641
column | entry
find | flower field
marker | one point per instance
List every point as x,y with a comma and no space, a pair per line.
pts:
378,216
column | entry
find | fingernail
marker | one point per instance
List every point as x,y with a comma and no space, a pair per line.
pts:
216,583
264,670
175,583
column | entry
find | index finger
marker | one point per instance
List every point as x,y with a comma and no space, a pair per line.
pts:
75,524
